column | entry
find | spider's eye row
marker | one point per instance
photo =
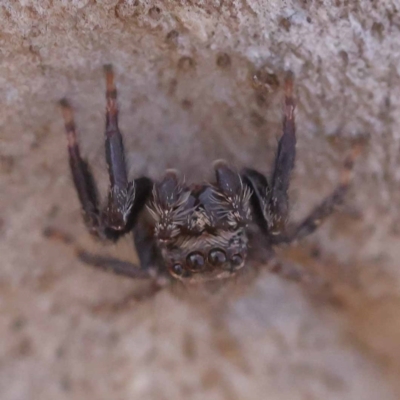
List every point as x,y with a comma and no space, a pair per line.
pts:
216,257
177,269
195,261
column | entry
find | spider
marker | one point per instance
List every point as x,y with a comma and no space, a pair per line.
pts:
192,232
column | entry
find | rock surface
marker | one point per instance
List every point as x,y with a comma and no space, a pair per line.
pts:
200,80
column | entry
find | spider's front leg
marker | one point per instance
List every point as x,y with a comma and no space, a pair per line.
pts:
270,201
125,199
271,204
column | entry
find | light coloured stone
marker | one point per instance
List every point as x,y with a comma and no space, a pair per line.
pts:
62,336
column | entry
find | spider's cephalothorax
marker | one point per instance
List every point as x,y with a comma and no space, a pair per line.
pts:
202,229
197,230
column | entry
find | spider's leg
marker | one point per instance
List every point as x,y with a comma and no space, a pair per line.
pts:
111,264
327,206
150,264
121,195
125,199
106,263
270,201
278,202
82,177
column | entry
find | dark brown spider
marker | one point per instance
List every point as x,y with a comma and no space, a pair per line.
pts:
191,231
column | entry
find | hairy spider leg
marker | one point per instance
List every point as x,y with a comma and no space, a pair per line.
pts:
111,264
82,177
106,263
278,201
121,194
125,199
114,146
270,201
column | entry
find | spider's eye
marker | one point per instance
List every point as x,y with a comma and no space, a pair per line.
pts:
195,261
236,260
216,257
177,270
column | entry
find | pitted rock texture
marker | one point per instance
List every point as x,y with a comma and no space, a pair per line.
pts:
198,81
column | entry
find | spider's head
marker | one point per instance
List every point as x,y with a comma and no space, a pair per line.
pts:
201,231
208,256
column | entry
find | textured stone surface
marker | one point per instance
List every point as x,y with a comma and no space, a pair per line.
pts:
200,80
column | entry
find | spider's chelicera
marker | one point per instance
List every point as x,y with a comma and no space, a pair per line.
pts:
191,231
